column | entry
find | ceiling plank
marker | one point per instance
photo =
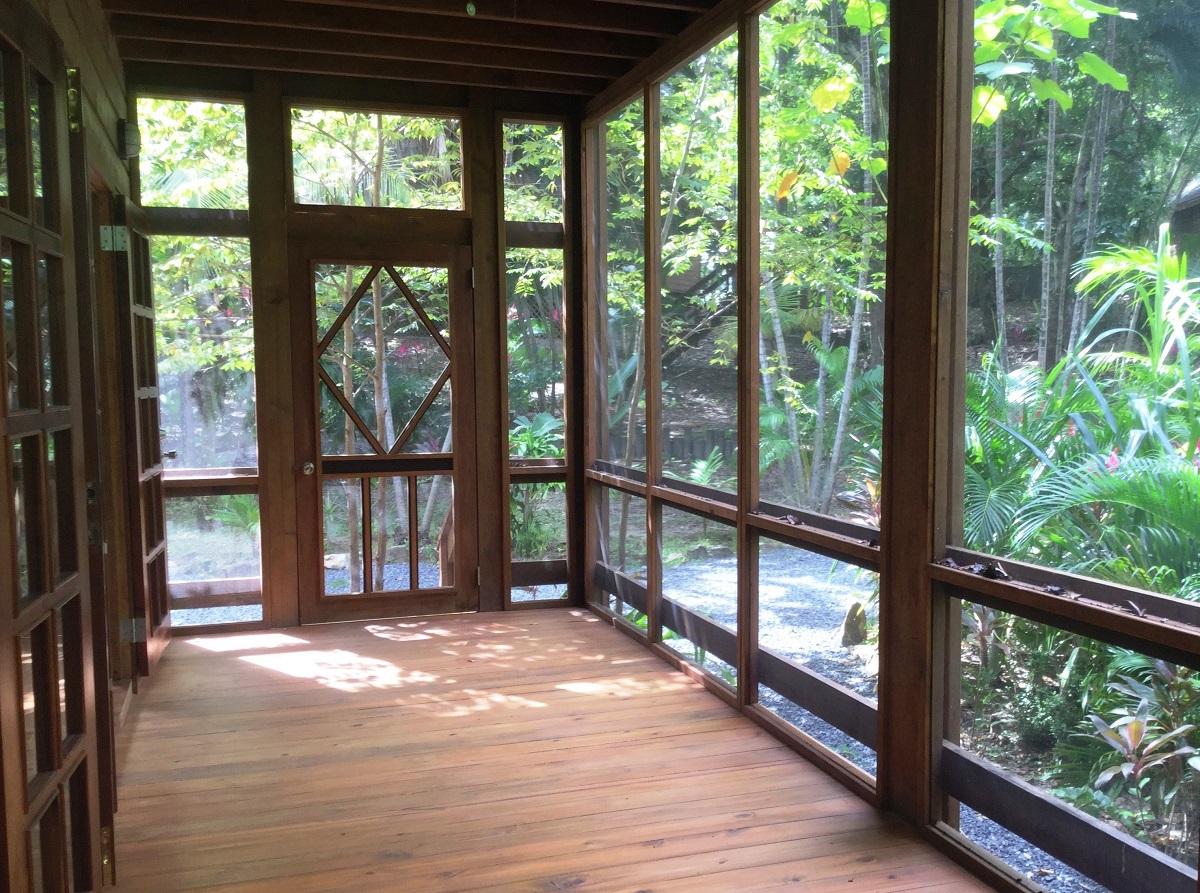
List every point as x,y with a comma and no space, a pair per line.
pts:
136,49
615,17
338,21
695,6
273,37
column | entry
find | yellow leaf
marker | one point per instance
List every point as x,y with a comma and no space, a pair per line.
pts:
840,164
785,186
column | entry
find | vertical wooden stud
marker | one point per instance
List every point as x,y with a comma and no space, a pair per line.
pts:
269,153
484,186
577,410
748,361
652,350
915,242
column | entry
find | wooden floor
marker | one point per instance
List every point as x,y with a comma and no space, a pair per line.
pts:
534,752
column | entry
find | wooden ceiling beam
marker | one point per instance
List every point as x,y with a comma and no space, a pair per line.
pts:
614,17
273,37
338,23
137,49
694,6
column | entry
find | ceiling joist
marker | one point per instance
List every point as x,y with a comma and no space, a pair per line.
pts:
574,49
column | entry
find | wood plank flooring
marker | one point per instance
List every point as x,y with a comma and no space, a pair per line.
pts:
541,751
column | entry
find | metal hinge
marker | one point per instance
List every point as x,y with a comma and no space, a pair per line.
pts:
108,867
114,238
478,576
472,278
74,101
132,632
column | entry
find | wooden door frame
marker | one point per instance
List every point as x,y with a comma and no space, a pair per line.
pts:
91,203
146,543
314,607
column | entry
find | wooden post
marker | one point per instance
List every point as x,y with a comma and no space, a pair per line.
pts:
484,186
269,153
577,407
916,243
747,362
652,348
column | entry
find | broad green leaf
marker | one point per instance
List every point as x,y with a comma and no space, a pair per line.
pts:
876,166
988,51
865,14
994,70
1101,71
986,105
1047,90
832,92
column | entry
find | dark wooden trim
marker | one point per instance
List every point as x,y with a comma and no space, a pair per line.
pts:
199,222
837,705
534,235
537,573
831,545
408,464
677,497
368,225
189,594
1028,576
232,485
1119,862
1171,641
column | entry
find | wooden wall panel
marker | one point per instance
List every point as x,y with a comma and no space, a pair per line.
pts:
90,46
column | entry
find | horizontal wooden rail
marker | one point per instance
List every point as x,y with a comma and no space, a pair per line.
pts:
1120,863
1127,598
841,708
539,573
837,705
188,485
215,593
520,234
1130,628
403,464
198,222
859,552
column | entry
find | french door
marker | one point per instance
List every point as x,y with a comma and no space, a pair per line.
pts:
385,431
147,537
48,784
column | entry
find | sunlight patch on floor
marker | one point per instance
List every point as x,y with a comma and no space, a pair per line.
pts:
341,670
244,642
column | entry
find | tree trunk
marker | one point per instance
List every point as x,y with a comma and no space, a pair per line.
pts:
1059,320
785,365
998,251
864,280
818,457
1095,173
1048,223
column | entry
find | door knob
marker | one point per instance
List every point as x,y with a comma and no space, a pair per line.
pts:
308,468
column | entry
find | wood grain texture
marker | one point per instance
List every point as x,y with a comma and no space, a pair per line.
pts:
536,753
